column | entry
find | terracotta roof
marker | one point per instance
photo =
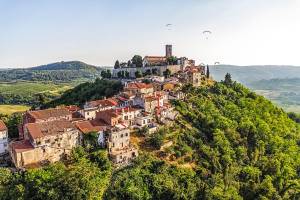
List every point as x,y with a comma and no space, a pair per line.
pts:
154,60
151,98
45,114
21,146
2,126
87,127
139,85
99,122
72,108
110,113
39,130
103,103
127,109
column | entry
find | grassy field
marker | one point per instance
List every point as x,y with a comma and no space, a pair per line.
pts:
31,88
10,109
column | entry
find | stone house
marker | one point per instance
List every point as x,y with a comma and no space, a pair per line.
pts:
144,119
119,148
91,107
46,115
149,103
38,116
44,142
3,138
110,117
139,88
86,127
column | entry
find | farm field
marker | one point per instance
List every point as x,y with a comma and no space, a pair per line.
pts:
10,109
29,92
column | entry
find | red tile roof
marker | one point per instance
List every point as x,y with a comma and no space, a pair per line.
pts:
103,103
87,127
2,126
48,113
39,130
21,146
72,108
139,85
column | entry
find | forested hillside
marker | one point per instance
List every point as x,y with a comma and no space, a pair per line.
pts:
88,91
70,65
57,72
227,143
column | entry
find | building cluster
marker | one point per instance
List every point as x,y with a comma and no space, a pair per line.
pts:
157,65
49,135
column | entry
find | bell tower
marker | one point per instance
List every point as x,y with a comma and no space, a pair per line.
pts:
168,50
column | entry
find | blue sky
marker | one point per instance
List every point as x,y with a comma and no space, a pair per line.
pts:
244,32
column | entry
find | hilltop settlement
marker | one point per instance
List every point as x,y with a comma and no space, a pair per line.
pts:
49,135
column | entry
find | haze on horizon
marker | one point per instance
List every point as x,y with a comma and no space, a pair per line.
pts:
244,32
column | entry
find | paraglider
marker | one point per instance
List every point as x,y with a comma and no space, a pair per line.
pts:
206,33
217,63
169,26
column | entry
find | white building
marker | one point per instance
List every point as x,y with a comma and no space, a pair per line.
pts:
3,138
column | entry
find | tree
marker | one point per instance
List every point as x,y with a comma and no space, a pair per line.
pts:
127,75
121,74
129,63
172,60
108,74
154,71
228,80
138,74
117,64
207,72
167,73
137,60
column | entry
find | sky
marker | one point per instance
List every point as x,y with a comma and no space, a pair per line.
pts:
98,32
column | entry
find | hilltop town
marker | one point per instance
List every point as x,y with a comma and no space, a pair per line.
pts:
47,136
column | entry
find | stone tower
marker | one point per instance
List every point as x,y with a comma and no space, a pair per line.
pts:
168,50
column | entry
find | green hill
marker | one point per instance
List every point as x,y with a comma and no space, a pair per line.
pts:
56,72
88,91
227,143
70,65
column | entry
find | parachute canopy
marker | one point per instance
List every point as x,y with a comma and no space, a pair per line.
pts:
207,33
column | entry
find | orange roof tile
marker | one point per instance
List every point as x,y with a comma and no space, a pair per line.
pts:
103,103
2,126
39,130
21,146
45,114
139,85
87,127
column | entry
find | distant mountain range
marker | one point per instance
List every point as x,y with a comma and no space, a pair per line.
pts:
248,74
281,84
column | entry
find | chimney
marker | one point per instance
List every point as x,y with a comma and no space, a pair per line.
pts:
168,50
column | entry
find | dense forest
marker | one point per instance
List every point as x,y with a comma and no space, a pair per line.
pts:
227,143
88,91
57,72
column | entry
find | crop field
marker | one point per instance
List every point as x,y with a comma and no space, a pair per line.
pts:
10,109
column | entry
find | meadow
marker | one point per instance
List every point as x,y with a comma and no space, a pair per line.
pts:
30,92
10,109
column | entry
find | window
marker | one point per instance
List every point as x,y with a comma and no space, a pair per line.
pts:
126,134
88,113
38,143
47,141
121,135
